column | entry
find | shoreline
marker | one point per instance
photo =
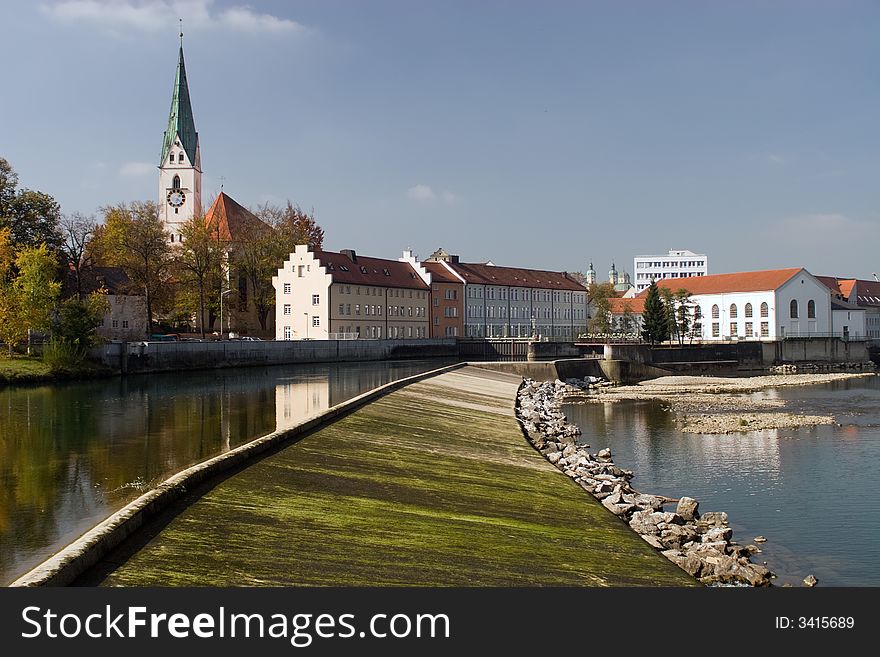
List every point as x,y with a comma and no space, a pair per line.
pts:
718,405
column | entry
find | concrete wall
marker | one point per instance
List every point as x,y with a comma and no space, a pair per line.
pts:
820,350
130,357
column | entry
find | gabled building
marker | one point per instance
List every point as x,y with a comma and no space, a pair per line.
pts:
323,295
769,304
447,301
860,293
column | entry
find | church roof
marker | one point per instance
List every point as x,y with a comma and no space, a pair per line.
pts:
231,219
180,119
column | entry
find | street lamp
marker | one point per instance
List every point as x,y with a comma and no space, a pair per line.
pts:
306,316
222,294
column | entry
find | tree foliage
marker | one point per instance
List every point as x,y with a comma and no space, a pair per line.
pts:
292,225
134,238
599,297
77,233
31,216
199,262
655,318
76,322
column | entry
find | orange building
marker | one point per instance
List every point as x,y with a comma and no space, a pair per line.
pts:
447,302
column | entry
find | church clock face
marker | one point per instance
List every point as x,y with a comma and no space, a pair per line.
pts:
176,198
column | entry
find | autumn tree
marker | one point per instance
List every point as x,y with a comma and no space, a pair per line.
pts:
31,216
133,237
77,233
292,225
199,261
599,297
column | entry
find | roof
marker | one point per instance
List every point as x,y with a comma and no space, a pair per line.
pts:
867,293
485,274
840,304
833,284
439,273
618,306
747,281
364,270
233,219
180,118
113,280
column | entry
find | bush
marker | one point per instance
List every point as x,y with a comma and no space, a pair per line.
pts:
63,357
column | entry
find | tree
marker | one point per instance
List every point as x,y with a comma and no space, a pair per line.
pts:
77,233
683,310
200,260
134,238
76,322
599,297
31,216
655,320
292,225
627,323
256,256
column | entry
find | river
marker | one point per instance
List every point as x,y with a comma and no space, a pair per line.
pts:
72,454
809,491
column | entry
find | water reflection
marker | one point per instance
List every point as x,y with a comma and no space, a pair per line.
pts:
801,488
72,454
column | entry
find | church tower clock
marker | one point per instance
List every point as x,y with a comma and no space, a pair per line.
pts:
180,171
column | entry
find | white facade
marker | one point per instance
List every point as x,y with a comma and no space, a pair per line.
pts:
302,298
496,311
180,190
849,322
675,264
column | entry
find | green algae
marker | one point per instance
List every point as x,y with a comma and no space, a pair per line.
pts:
409,490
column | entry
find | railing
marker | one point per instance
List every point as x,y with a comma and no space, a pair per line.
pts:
343,336
848,337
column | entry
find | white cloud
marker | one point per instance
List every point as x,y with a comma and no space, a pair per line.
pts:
137,169
157,15
421,193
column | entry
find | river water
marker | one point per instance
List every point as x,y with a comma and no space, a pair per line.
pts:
72,454
809,491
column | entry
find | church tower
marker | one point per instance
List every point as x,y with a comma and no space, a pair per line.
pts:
180,171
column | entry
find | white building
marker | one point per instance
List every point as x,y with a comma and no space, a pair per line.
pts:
322,295
860,293
768,305
676,264
514,302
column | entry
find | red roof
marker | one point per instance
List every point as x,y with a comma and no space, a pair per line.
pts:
867,293
747,281
439,273
619,306
364,270
483,274
233,219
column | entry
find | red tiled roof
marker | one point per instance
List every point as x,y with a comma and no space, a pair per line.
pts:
747,281
832,284
619,306
867,293
233,219
846,286
439,273
370,271
482,274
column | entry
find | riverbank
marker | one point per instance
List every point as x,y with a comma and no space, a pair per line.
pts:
27,370
713,405
700,544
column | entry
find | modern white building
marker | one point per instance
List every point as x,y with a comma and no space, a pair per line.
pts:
502,302
322,295
675,264
769,305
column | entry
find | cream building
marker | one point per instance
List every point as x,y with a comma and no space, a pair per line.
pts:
323,295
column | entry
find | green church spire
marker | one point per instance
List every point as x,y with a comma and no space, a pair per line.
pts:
180,118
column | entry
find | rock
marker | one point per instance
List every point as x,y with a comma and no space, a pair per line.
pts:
753,549
676,536
569,451
760,539
688,508
718,534
651,502
653,541
554,457
550,448
810,580
617,509
687,562
644,523
604,453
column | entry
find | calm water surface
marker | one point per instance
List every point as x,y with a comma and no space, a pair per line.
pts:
72,454
810,491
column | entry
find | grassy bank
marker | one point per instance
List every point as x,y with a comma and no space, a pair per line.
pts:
17,370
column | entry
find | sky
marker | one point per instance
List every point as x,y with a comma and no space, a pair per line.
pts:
535,134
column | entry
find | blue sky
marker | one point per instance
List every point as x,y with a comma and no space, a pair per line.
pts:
535,134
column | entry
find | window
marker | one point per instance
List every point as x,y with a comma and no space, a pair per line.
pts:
286,308
811,309
316,299
715,312
793,309
748,310
175,183
765,329
436,320
287,288
348,309
341,308
114,323
733,311
301,271
733,328
378,310
287,333
716,329
124,323
316,321
436,302
450,294
765,312
749,329
357,309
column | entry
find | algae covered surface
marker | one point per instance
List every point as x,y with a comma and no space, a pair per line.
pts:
431,485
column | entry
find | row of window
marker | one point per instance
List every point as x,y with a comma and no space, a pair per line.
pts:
171,157
114,323
674,274
524,312
765,310
665,264
523,294
379,291
734,330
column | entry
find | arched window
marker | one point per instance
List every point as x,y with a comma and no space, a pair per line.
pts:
793,309
716,312
175,184
811,309
765,310
733,311
180,157
748,310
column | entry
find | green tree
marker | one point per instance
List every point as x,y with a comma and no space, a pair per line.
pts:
200,260
655,319
683,311
599,297
134,238
255,257
76,322
627,322
31,216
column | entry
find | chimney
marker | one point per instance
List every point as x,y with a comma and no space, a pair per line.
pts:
453,259
350,254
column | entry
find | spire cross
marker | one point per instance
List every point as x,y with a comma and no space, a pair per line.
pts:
180,20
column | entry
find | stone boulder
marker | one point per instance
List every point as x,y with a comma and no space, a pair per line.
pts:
688,508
